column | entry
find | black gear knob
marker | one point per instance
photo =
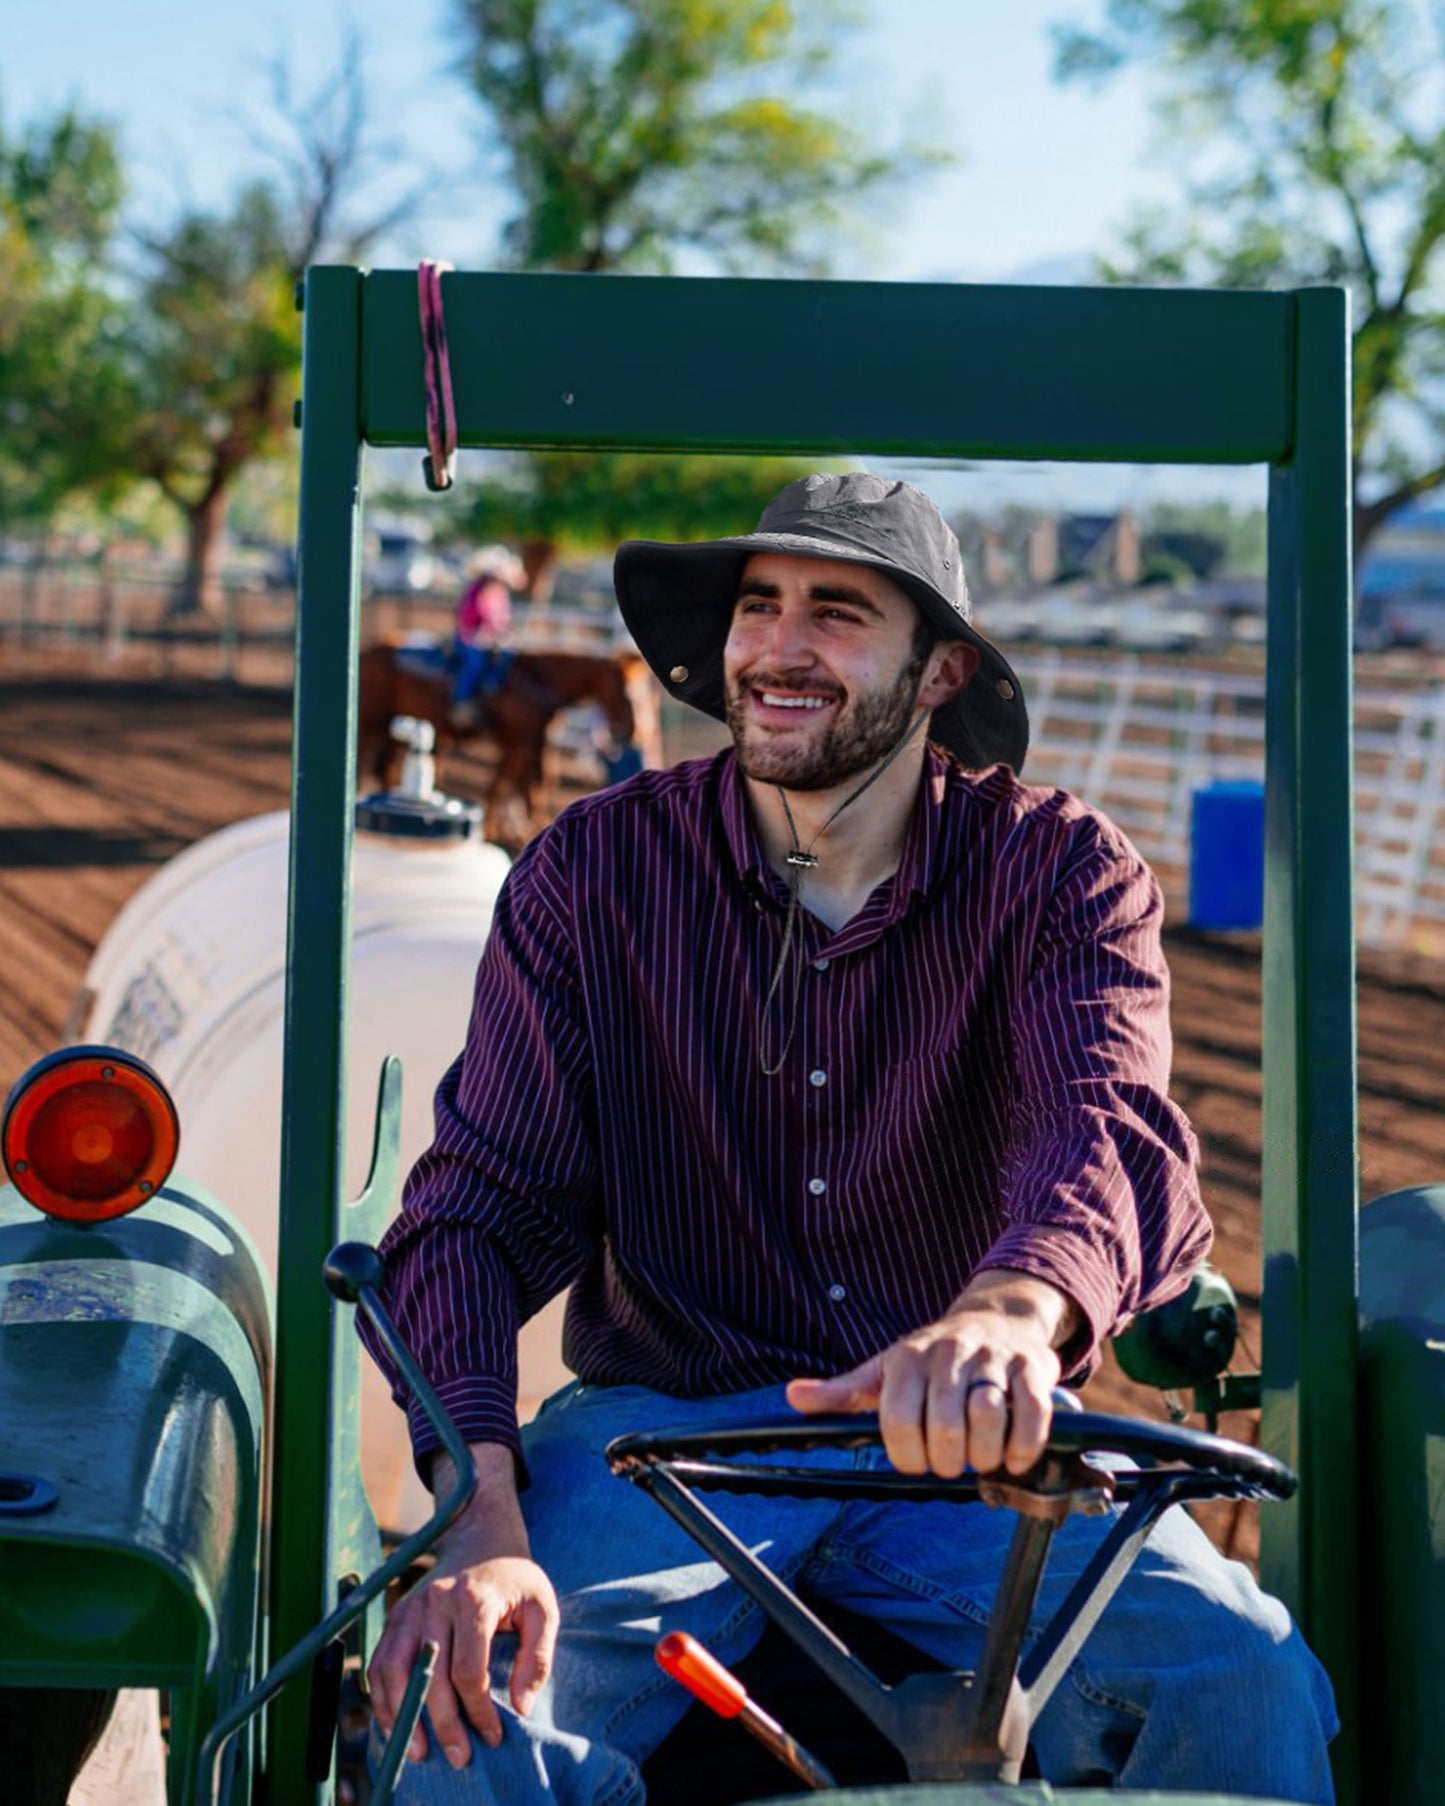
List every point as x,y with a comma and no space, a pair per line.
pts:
349,1267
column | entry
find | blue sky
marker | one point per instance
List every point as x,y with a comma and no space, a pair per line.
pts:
1044,176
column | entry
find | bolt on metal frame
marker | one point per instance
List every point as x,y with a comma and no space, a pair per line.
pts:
931,370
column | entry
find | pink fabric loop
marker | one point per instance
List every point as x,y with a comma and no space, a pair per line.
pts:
440,463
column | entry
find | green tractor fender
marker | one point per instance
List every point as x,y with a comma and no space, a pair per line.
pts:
135,1372
1401,1481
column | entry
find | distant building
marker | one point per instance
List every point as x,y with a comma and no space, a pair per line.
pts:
1406,556
1104,547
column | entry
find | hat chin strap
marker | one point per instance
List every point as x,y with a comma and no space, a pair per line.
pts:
800,861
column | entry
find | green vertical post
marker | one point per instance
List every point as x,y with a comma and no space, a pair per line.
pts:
1308,1549
323,755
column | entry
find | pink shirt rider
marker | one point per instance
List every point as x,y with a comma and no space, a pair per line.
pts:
485,612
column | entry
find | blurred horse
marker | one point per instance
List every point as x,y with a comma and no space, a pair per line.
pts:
397,680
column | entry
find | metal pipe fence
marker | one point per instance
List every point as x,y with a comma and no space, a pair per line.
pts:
122,619
1137,735
1139,738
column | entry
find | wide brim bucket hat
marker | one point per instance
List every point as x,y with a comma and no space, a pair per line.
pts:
677,600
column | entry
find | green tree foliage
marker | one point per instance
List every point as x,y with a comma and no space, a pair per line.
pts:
63,393
64,184
1316,154
645,135
579,501
216,345
215,339
634,131
1237,534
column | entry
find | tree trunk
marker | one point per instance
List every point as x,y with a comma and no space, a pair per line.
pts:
540,558
1365,522
199,590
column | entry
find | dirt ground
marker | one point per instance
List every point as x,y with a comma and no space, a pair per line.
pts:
103,781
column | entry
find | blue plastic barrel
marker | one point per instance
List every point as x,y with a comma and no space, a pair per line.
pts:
1226,867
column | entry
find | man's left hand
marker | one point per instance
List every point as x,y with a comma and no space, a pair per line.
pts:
972,1390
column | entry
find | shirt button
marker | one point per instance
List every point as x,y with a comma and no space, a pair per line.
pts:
818,1076
817,1187
821,965
837,1293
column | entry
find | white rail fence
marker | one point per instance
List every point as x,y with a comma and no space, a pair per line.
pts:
1139,738
1134,733
248,636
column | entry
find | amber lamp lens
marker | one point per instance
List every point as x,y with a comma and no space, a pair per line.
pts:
91,1141
89,1134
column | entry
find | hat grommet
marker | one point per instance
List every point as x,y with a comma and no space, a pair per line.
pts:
1005,689
679,674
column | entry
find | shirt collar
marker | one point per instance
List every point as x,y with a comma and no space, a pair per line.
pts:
739,828
918,869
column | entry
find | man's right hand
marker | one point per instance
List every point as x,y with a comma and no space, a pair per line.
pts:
484,1582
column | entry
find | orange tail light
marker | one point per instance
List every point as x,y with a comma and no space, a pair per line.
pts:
89,1133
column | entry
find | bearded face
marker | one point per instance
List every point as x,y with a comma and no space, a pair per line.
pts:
825,666
856,725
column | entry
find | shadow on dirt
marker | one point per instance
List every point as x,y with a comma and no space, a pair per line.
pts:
56,848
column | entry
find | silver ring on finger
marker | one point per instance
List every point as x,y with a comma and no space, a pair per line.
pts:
974,1386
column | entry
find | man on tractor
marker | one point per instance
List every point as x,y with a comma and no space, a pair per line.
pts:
831,1068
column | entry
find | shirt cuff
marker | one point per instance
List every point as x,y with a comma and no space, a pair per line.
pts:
483,1410
1061,1261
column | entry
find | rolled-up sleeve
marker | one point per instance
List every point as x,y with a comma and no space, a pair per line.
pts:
1100,1185
500,1214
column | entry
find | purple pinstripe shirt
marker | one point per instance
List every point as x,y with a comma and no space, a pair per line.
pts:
976,1079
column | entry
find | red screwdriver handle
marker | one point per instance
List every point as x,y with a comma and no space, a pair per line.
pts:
704,1676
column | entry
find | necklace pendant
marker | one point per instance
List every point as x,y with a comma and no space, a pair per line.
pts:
806,860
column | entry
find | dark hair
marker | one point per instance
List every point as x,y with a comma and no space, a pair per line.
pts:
925,636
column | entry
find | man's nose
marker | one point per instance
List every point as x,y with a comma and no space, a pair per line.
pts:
790,637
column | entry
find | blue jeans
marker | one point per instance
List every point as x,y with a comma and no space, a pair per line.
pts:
1192,1680
480,670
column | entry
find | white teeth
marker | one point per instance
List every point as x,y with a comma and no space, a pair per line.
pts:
774,701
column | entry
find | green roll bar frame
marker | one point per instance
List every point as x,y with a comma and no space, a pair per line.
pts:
930,370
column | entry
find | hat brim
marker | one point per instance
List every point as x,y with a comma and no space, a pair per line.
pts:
677,603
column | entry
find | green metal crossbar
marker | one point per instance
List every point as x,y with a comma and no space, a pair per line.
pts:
932,370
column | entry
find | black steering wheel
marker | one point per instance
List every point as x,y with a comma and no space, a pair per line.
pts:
962,1727
1202,1465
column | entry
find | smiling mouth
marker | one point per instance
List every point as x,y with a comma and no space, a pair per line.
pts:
774,699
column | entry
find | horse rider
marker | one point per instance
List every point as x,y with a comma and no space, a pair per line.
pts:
484,618
831,1069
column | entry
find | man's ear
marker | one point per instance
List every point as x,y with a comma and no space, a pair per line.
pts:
950,668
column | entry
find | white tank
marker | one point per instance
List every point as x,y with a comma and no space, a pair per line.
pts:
191,976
